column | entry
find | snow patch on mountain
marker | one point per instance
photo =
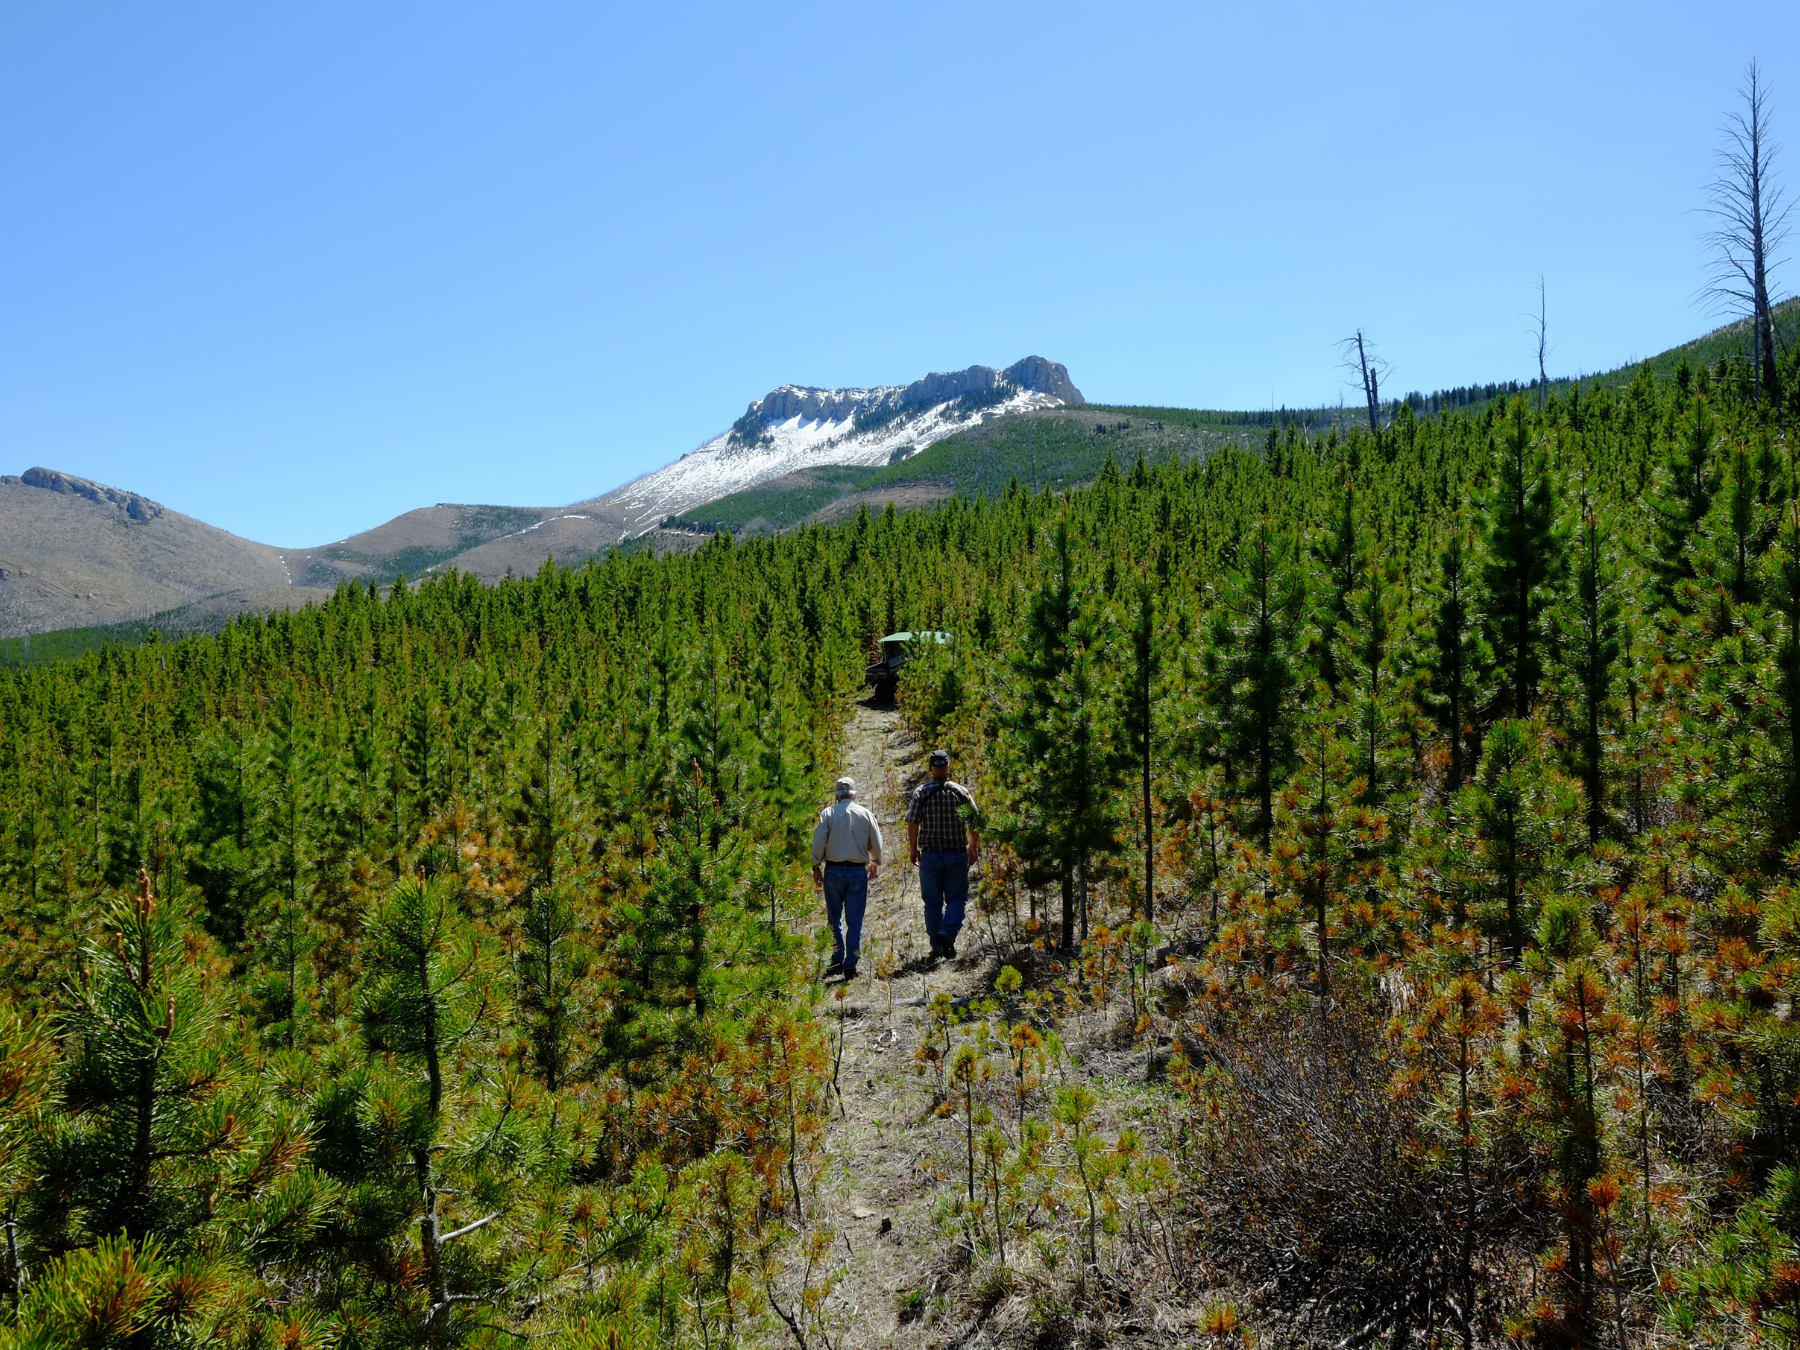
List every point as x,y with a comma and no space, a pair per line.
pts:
721,467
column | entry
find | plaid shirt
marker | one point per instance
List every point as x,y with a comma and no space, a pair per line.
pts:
936,810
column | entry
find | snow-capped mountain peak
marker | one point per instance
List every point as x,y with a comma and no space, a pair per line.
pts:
796,426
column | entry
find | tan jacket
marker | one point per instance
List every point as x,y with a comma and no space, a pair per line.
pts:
847,832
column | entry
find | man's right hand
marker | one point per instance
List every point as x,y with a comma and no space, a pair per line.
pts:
915,857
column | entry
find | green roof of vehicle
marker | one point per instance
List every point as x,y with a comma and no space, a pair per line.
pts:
939,637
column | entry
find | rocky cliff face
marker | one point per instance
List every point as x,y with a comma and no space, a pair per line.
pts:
1032,375
1045,377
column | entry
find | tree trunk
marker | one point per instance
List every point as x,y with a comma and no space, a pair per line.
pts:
1324,943
1149,830
696,960
1456,738
137,1221
1543,375
1371,390
12,1253
1522,635
430,1249
1068,911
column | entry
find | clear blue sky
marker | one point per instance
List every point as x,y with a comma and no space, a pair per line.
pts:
295,268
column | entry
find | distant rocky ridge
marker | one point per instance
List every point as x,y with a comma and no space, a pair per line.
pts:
134,506
76,553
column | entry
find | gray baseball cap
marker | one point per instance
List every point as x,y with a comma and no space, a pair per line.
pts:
846,787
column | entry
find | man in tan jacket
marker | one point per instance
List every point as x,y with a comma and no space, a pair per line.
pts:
846,851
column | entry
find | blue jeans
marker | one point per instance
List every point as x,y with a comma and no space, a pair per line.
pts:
944,885
846,897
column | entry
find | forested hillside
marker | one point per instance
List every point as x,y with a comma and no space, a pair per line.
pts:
1064,447
1415,814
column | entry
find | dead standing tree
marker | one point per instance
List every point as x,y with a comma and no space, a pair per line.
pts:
1752,216
1542,318
1360,360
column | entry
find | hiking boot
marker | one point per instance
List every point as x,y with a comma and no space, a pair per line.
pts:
849,972
947,947
835,968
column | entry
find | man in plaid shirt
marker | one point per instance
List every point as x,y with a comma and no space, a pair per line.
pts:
943,844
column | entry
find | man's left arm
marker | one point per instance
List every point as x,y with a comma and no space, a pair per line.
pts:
874,846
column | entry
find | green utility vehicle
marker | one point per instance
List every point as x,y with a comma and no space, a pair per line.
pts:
883,675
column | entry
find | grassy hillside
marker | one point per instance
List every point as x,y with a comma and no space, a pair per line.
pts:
409,545
780,503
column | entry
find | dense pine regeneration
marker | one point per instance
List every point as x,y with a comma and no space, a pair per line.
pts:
1423,805
413,970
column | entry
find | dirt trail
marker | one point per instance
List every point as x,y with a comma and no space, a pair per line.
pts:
880,1180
